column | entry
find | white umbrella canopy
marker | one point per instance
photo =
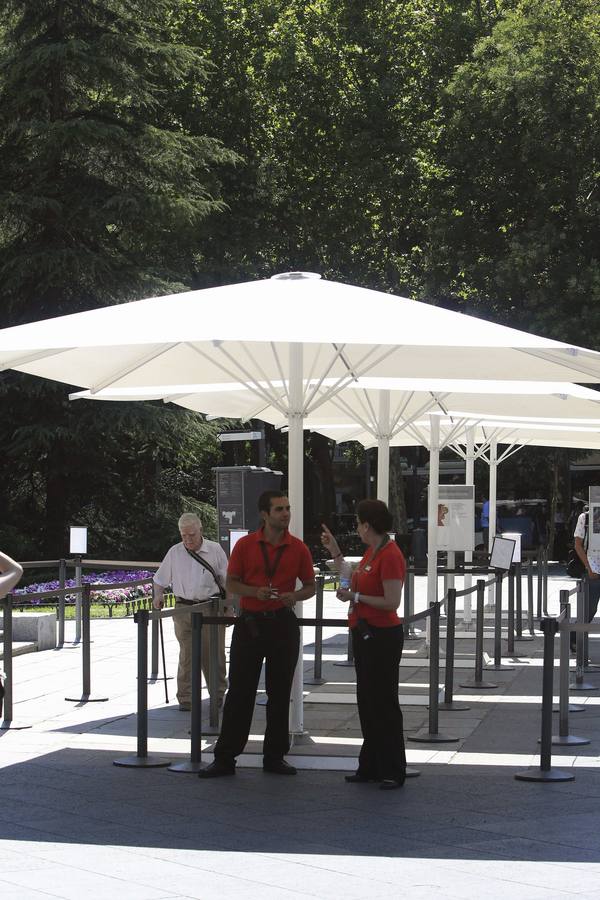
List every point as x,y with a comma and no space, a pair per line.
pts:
243,332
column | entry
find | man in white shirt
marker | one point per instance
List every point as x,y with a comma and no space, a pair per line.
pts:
591,561
191,582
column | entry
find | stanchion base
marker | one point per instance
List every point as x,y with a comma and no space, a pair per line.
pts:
187,766
479,685
425,737
210,730
142,762
86,698
300,738
584,686
453,707
346,664
567,740
412,773
541,775
9,725
499,668
573,708
314,681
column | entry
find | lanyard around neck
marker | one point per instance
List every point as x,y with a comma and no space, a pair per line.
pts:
271,569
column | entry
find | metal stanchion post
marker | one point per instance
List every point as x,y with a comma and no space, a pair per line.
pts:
62,578
498,666
448,703
213,671
319,594
78,600
478,681
530,596
545,772
519,607
564,738
7,723
194,763
432,735
409,606
510,648
154,642
545,580
141,759
86,652
580,659
540,579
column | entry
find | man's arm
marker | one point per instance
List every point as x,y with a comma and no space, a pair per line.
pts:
580,551
11,574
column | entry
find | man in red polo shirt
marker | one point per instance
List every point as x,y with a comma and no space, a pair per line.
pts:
263,570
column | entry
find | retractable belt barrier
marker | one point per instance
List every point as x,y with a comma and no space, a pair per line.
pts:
141,618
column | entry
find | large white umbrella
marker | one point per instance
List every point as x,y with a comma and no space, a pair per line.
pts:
294,328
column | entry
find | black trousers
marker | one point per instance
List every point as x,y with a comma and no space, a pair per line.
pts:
276,640
377,662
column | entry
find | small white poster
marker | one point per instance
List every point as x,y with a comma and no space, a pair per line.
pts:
594,519
516,537
502,553
456,517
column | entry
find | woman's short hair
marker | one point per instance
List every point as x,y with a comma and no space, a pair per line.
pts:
376,514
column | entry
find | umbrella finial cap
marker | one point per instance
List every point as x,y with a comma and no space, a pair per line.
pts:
294,276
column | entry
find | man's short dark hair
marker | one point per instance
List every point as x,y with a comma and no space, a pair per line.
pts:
265,499
376,514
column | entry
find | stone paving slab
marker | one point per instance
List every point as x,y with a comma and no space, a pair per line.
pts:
73,825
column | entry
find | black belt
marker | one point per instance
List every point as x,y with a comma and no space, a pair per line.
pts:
264,614
191,602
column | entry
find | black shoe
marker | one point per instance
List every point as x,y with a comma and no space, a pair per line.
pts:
573,648
390,784
217,769
357,778
278,767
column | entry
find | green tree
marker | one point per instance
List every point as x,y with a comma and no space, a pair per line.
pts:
514,229
102,196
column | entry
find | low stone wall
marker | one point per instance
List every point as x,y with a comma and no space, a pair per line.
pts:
39,627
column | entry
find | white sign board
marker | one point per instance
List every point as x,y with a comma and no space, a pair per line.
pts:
78,539
456,517
594,519
516,537
234,535
502,553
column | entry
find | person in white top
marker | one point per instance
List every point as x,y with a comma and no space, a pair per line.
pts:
591,561
10,574
192,582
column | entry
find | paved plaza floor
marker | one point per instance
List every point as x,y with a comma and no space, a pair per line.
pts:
73,825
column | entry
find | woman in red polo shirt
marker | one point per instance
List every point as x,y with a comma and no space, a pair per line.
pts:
377,639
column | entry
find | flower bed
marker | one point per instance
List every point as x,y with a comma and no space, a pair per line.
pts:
108,598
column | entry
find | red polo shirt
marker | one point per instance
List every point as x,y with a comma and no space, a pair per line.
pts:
388,565
247,564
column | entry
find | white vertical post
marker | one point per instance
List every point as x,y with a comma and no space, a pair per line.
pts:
383,448
432,510
296,498
492,507
493,488
469,479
